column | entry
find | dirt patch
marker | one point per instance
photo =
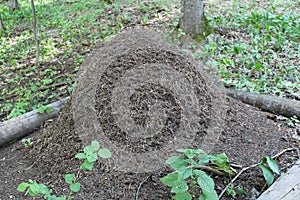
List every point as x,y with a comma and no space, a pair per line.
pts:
247,134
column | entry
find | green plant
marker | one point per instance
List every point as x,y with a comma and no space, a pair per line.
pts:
90,153
27,142
44,109
73,185
19,109
232,191
291,122
189,176
256,65
33,188
269,168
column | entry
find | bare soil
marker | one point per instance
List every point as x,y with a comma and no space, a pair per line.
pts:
248,135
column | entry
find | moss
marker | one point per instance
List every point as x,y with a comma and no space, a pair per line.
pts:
206,31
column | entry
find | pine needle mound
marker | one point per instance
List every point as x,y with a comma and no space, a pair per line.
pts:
139,94
162,85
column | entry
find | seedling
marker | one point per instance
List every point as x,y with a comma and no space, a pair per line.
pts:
44,109
27,142
33,189
90,153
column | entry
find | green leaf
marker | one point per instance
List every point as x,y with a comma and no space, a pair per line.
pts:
104,153
80,156
208,197
181,150
48,109
75,187
204,181
172,159
207,186
95,145
221,158
236,50
181,187
268,174
53,197
92,157
199,151
184,173
87,165
170,180
34,188
183,196
190,153
176,162
33,191
203,159
88,150
273,165
222,161
69,178
44,190
22,187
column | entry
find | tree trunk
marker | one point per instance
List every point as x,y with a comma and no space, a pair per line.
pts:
37,43
2,27
193,21
273,104
13,5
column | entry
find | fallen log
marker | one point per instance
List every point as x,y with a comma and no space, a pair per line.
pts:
21,126
273,104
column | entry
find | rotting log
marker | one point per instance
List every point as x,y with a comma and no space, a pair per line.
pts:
21,126
286,187
273,104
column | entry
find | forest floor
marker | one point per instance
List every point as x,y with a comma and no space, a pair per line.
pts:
255,47
248,135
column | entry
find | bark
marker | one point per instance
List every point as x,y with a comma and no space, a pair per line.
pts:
13,5
21,126
2,27
37,58
273,104
193,21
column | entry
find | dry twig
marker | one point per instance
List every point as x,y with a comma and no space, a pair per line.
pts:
138,190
